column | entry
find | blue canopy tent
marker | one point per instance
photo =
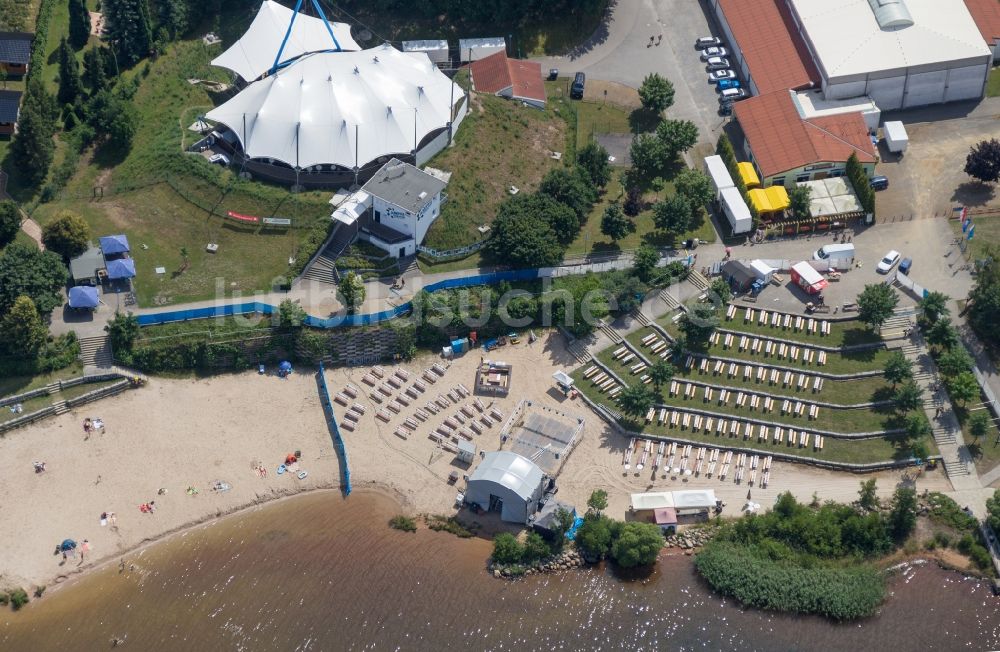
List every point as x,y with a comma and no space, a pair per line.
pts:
114,244
83,296
121,269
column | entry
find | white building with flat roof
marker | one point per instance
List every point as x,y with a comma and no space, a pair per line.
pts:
900,53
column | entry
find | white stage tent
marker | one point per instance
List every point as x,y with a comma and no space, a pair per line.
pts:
254,54
346,109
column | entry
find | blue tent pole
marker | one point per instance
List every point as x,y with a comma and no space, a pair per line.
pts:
288,32
327,23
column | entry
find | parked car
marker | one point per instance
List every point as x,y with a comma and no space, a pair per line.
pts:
733,94
717,63
888,262
221,159
725,107
880,183
905,265
707,42
576,90
718,75
728,83
708,53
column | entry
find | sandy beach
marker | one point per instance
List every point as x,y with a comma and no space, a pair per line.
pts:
180,433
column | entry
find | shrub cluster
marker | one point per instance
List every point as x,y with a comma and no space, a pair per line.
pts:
404,523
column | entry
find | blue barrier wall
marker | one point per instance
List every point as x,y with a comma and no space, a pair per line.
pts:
368,319
331,421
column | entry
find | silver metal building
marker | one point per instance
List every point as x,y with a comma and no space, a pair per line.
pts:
508,483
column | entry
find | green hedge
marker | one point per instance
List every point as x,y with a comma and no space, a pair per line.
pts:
838,593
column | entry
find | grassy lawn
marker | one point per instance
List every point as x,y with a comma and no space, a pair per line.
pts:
472,262
599,118
986,451
993,83
834,420
41,402
836,363
556,33
840,392
499,144
840,450
58,28
841,332
20,384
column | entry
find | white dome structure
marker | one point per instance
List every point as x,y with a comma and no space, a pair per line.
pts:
254,54
346,109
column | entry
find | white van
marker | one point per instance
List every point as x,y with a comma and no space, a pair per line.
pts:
835,252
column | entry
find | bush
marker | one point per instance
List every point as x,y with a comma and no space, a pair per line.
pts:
404,523
507,549
942,539
535,548
838,593
594,536
18,598
637,544
448,524
4,599
946,511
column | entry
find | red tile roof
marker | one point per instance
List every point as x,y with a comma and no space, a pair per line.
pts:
497,73
781,140
986,13
772,47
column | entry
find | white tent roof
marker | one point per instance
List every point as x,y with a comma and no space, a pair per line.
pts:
847,39
253,55
342,108
510,470
652,500
694,499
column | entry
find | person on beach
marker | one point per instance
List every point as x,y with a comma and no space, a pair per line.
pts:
39,467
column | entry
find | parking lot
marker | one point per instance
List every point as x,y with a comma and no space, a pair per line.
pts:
624,54
928,242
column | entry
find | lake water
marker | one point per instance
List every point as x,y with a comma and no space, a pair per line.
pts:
318,572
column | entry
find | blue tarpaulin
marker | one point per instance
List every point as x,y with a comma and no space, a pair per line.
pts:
121,268
114,244
456,346
83,296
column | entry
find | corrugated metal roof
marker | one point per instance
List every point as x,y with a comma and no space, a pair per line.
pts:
517,473
15,47
771,45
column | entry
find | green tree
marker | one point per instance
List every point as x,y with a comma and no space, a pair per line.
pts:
698,323
594,536
903,516
695,186
40,275
615,224
676,137
656,93
122,330
983,161
934,305
942,334
644,261
522,234
124,127
79,23
10,222
290,314
897,368
571,188
173,17
908,396
352,291
661,373
94,70
799,197
67,235
963,388
876,303
720,288
979,424
638,544
22,332
859,180
535,548
649,159
598,501
954,361
507,549
635,401
917,427
129,29
70,86
592,159
993,511
33,148
673,215
868,495
564,522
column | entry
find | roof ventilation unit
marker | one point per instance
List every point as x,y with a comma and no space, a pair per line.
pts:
891,14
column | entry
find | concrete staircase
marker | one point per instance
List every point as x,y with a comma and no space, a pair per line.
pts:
96,351
611,333
579,351
408,266
956,467
698,279
322,268
60,407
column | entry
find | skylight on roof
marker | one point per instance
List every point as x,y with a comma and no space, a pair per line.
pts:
891,14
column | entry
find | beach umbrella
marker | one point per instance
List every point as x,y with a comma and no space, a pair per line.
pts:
67,544
285,366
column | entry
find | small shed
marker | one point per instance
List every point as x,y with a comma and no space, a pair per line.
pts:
896,138
666,519
739,275
436,50
466,451
474,49
808,278
546,521
763,271
85,267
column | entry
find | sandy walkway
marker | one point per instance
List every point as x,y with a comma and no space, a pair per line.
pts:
176,433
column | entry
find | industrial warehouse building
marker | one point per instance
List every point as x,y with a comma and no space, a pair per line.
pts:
899,53
508,483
